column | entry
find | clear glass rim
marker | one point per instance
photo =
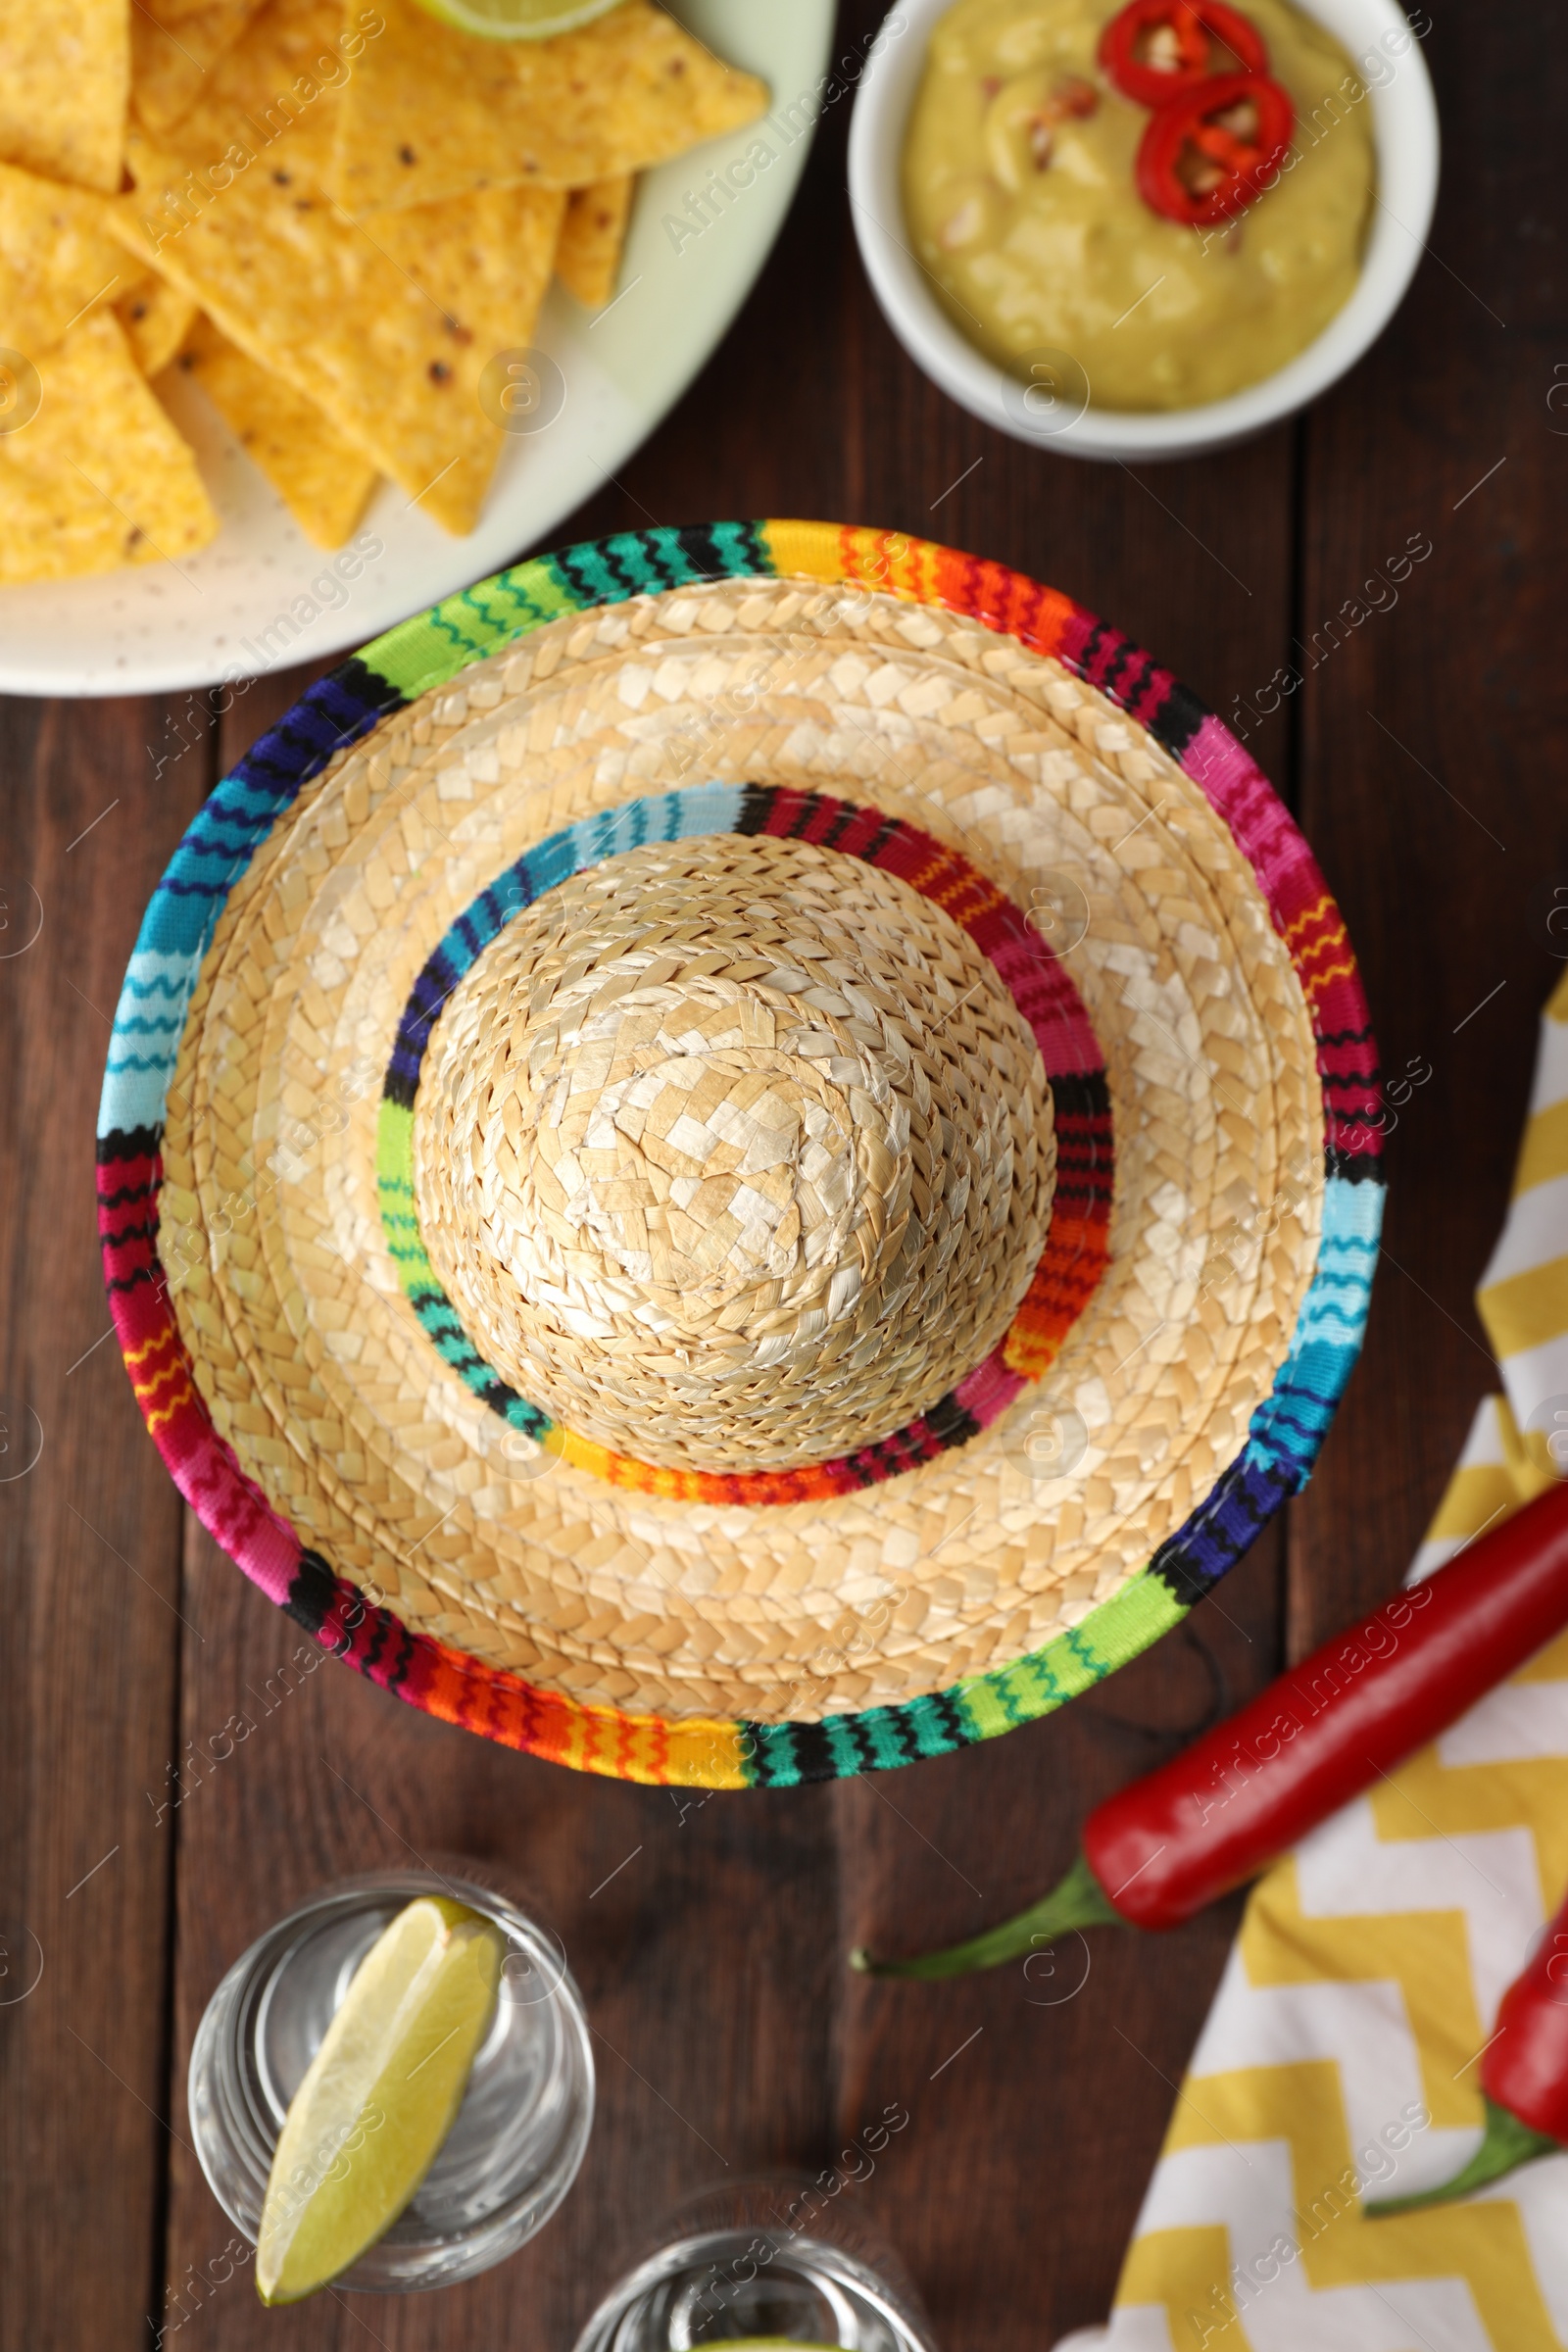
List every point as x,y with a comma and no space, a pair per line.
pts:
699,2220
234,2143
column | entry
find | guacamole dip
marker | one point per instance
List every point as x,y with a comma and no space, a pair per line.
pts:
1021,199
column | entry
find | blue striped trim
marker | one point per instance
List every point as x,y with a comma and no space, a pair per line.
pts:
1288,1428
215,850
691,810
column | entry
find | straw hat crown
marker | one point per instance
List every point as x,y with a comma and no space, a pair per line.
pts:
734,1155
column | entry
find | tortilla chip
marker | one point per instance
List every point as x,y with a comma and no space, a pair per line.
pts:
99,477
322,478
57,259
431,113
64,69
174,62
592,235
276,79
388,334
174,14
155,318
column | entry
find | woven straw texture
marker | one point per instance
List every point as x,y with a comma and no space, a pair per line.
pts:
734,1153
681,1202
324,1383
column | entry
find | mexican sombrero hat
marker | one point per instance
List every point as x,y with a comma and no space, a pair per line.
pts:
741,1155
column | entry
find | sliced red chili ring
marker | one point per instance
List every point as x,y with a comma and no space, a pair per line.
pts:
1205,157
1135,44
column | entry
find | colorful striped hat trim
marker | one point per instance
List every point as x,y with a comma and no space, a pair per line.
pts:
426,652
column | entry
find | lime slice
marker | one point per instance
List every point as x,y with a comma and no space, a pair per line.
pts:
517,19
379,2096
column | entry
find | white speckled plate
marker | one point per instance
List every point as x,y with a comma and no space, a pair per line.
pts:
261,597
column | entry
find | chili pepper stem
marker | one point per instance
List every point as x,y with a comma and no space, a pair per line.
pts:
1507,2145
1080,1901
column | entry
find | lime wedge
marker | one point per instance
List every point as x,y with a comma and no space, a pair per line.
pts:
517,19
379,2096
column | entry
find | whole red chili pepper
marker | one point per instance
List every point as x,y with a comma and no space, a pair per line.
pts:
1524,2076
1159,1850
1155,50
1211,152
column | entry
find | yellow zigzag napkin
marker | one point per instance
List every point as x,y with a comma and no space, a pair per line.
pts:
1339,2057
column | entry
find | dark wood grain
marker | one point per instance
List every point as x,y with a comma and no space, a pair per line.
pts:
1426,755
89,1539
1434,748
1061,2103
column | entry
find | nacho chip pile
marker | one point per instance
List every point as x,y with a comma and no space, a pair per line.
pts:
330,214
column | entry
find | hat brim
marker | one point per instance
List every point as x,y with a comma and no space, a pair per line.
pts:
1289,1412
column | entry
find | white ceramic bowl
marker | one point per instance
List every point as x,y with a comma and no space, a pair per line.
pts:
1404,125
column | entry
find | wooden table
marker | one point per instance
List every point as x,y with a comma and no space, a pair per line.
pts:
1425,758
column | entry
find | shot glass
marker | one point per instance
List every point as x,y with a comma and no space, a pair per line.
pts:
768,2261
520,2135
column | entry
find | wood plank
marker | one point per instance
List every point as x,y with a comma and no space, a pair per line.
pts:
89,1538
1054,2109
1434,740
1039,2091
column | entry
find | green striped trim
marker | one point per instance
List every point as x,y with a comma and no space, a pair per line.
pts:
430,649
788,1755
1071,1661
